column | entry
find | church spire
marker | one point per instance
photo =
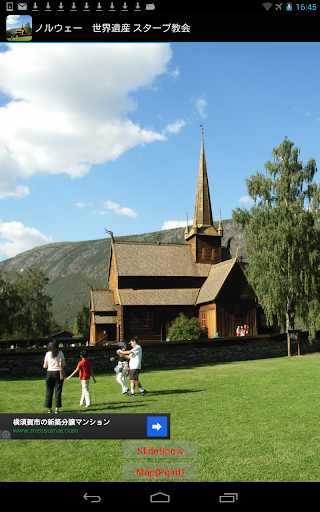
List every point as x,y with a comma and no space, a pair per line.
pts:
202,218
220,228
202,210
203,237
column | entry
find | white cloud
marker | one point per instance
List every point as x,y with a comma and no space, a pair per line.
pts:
17,192
108,208
12,19
9,176
174,127
175,73
110,205
201,105
171,224
20,238
71,110
245,200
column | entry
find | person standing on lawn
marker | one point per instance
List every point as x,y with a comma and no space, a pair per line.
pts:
54,362
134,356
121,368
84,368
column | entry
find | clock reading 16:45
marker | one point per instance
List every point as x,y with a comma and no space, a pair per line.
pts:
306,7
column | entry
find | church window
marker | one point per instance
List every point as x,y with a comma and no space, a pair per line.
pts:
148,319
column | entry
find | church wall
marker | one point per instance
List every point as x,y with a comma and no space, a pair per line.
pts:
192,243
92,330
230,314
236,286
206,249
113,279
151,323
160,282
120,323
208,319
102,333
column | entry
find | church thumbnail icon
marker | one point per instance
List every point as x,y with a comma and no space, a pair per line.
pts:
18,28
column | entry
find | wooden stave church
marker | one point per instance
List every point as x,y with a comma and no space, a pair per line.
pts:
20,31
150,284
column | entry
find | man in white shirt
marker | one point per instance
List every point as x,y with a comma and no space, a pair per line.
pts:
134,356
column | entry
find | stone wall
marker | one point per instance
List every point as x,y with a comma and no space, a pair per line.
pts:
182,353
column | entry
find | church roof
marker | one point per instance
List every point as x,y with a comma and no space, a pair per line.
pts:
213,284
104,319
102,301
147,259
162,297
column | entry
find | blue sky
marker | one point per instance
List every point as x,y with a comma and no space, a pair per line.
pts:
15,20
99,136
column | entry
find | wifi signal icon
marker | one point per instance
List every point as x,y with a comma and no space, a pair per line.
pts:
267,5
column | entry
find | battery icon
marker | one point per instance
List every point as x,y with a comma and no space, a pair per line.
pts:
289,6
228,497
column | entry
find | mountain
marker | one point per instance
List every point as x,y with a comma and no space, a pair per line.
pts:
73,266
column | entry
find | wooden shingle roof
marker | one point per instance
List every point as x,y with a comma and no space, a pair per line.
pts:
102,301
213,284
146,259
162,297
141,259
102,320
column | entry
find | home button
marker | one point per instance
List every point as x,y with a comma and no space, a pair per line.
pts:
159,497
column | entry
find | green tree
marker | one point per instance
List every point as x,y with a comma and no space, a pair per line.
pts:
81,323
31,314
5,324
183,328
282,238
28,29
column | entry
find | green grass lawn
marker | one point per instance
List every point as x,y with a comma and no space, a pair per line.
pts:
254,421
22,39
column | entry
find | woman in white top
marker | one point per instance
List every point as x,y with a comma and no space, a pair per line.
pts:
54,362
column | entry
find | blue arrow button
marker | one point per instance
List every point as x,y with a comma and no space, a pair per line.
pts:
157,426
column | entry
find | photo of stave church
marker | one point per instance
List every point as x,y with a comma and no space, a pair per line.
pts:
150,284
20,31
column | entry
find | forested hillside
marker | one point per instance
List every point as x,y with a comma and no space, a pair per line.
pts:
73,266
